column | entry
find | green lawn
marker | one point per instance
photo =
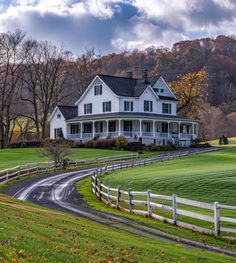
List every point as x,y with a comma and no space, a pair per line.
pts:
13,157
205,177
30,233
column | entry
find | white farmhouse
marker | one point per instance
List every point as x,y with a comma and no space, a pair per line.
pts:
142,110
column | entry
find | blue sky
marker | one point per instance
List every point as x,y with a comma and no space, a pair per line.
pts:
113,25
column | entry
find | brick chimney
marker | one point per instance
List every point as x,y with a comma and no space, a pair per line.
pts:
145,76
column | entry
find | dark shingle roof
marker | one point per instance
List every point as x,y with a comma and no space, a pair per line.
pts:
68,111
130,87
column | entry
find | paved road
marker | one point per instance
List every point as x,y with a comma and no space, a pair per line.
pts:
59,192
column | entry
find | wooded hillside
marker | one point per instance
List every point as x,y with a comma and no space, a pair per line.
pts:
35,76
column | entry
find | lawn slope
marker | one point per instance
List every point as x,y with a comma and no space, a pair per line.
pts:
205,177
33,234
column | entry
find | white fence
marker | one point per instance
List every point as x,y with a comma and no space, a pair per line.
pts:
32,168
207,218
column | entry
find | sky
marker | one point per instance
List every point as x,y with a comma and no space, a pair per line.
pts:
115,26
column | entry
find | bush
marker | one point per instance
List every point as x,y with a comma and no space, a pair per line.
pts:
153,147
59,141
26,144
78,144
200,145
121,142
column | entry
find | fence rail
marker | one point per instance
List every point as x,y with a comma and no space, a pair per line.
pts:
10,174
207,218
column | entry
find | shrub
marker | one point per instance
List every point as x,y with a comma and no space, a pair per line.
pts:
26,144
59,141
121,142
100,143
153,147
78,144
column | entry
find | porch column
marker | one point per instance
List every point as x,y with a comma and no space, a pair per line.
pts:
140,128
93,129
119,127
107,126
168,129
179,130
193,129
197,130
154,129
81,130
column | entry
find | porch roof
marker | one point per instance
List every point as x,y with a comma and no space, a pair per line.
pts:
126,115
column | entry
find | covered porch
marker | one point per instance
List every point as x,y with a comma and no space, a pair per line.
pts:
143,130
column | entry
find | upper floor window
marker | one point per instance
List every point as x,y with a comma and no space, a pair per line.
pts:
166,108
148,105
128,105
97,90
106,106
88,108
58,115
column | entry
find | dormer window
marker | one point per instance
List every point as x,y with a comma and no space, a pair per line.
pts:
58,115
162,90
97,90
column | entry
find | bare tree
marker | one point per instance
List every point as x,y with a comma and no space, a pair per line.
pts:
45,74
12,56
86,67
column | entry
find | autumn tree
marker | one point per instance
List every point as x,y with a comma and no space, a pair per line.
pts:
191,90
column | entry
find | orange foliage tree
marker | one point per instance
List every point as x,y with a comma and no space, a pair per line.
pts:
192,90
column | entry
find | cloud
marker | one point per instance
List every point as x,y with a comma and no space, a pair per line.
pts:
111,25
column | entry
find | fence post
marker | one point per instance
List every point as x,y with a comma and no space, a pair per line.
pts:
100,190
96,183
217,219
118,197
108,196
131,205
174,206
149,207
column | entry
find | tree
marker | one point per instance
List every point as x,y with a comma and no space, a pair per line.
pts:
191,90
45,74
56,150
12,57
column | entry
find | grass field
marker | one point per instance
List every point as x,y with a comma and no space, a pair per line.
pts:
205,177
13,157
34,234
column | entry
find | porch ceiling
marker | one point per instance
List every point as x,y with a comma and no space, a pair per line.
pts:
129,115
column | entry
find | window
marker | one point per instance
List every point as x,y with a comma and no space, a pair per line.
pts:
128,126
146,126
88,108
88,128
162,90
58,133
97,90
74,128
58,115
148,105
166,108
112,126
106,106
128,105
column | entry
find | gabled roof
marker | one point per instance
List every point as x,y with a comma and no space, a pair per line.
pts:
68,112
129,87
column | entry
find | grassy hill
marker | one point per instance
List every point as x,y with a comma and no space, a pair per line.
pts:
205,177
34,234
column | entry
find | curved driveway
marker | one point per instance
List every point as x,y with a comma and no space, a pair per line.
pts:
59,192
